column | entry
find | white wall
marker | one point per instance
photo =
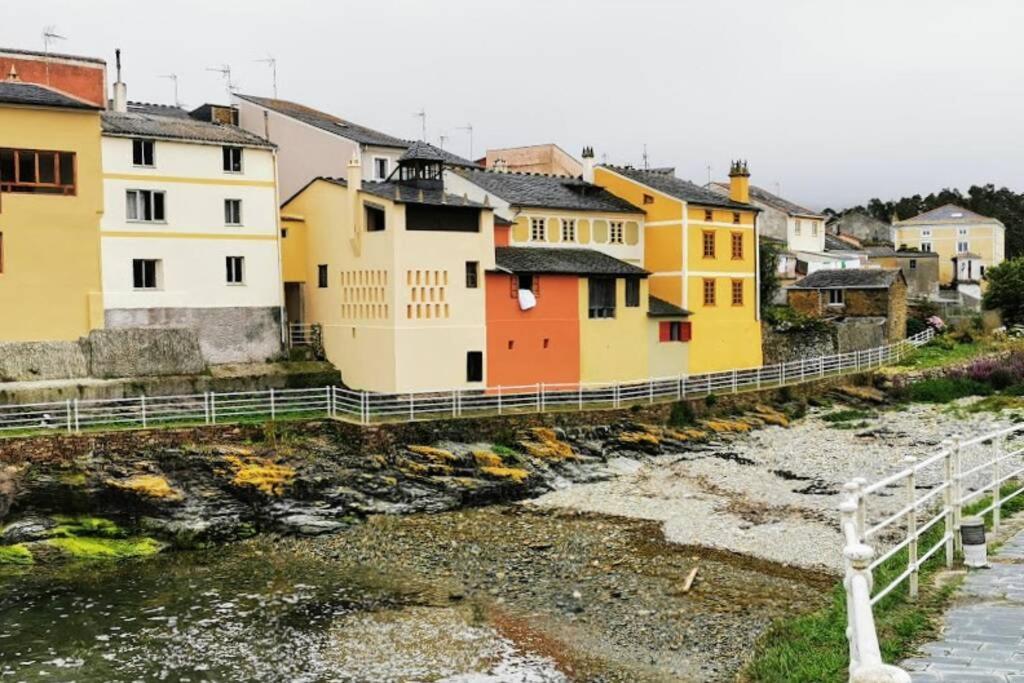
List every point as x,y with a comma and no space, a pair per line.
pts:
807,240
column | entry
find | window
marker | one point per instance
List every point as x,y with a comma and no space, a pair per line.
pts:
321,276
835,297
475,366
472,274
145,205
232,212
375,217
380,168
926,232
37,172
709,244
926,246
674,331
708,215
232,159
913,264
737,245
284,233
962,247
962,232
537,229
601,303
568,229
142,153
737,292
736,217
632,292
236,270
814,228
145,273
709,292
648,199
524,282
615,232
798,227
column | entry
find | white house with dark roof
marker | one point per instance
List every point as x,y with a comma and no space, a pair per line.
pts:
190,230
967,243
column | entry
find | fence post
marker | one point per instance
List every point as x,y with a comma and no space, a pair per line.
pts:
734,386
330,401
679,388
782,374
67,413
912,526
958,500
802,373
615,395
579,389
206,407
213,407
650,391
364,408
759,376
78,428
947,475
455,403
142,403
273,405
499,399
996,493
412,407
540,397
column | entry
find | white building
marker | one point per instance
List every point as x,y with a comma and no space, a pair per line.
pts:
190,234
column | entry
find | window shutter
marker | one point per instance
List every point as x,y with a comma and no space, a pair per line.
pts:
664,331
536,285
685,332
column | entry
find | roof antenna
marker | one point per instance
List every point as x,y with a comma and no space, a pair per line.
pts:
174,78
224,71
272,63
468,127
708,168
647,166
49,35
442,137
422,114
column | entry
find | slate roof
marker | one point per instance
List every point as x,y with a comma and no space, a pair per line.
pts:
547,191
328,122
659,308
948,213
679,188
413,195
54,55
33,95
833,243
879,251
849,278
424,151
132,124
773,200
157,110
565,261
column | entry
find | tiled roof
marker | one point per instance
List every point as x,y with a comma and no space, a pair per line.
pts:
157,110
833,243
548,191
773,200
849,278
659,308
408,194
53,55
174,128
32,95
565,261
668,184
880,251
327,122
424,151
501,220
949,213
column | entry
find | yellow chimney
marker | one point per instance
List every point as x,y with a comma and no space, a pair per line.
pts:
739,182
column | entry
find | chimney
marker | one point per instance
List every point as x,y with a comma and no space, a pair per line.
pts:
355,171
588,164
120,89
739,182
12,76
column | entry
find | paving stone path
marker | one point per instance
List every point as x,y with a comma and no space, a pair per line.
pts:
983,635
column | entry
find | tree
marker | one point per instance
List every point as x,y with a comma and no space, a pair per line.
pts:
768,278
1006,290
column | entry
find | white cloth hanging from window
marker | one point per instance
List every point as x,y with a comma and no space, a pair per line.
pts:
526,300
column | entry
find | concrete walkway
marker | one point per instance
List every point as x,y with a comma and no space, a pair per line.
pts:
983,634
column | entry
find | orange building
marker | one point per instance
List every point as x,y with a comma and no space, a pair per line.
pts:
84,78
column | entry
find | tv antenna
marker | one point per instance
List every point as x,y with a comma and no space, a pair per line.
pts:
442,137
173,78
708,168
422,115
647,166
49,35
224,71
469,128
272,63
778,188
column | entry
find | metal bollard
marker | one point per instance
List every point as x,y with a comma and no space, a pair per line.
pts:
972,535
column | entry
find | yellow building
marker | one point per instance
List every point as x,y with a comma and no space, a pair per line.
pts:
51,201
951,232
702,252
393,271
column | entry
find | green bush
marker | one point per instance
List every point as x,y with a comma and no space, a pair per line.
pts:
946,389
682,415
915,326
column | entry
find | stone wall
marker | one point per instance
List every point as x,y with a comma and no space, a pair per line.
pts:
33,361
860,334
795,344
144,351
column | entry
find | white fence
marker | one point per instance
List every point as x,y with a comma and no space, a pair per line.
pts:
303,334
365,408
937,488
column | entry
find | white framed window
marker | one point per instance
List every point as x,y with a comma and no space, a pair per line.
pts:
235,270
568,229
798,227
232,159
814,228
835,297
537,232
146,273
146,206
962,247
926,246
142,153
232,212
962,232
925,232
615,232
381,168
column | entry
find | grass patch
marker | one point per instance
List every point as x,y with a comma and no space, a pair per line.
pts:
504,451
943,351
106,548
15,554
72,527
813,648
946,389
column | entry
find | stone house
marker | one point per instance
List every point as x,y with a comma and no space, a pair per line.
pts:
920,268
860,226
855,293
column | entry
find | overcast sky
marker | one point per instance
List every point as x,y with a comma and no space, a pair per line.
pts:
833,102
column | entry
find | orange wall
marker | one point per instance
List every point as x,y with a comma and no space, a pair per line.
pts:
555,318
502,235
84,80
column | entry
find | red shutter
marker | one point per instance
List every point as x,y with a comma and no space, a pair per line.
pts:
686,333
664,332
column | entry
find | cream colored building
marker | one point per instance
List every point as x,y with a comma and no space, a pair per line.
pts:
952,232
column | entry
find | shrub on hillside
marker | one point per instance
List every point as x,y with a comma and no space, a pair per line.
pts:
999,373
946,389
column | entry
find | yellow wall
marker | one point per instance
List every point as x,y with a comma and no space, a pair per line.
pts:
666,359
986,239
614,349
592,231
50,288
293,250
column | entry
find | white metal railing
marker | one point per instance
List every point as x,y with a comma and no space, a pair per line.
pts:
937,488
303,334
365,407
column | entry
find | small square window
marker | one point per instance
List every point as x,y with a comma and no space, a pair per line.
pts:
235,270
709,215
375,218
472,274
145,273
321,276
142,153
232,212
736,217
537,229
568,230
380,168
835,297
615,232
232,159
284,233
648,199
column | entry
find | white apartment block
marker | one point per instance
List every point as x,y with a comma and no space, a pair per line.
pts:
190,232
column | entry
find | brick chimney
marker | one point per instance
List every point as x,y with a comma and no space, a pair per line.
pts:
739,182
588,164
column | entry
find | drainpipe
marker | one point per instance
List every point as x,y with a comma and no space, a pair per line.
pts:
280,266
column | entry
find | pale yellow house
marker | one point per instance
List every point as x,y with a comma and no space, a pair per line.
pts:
952,232
393,271
51,201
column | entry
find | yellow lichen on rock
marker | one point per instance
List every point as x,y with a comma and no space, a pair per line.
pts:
435,454
514,473
639,438
686,434
770,416
260,473
487,459
425,469
869,394
545,444
720,426
148,486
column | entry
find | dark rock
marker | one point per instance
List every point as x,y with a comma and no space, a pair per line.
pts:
27,529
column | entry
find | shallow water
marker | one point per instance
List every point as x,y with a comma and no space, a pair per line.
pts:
250,611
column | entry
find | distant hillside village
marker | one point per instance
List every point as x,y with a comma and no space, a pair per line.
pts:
250,224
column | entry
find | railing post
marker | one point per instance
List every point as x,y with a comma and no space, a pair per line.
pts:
782,374
912,526
142,403
364,408
958,500
67,413
206,407
679,388
802,373
273,405
947,476
734,386
759,376
213,407
499,399
455,403
650,391
540,397
997,503
330,401
78,428
579,398
860,483
412,406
